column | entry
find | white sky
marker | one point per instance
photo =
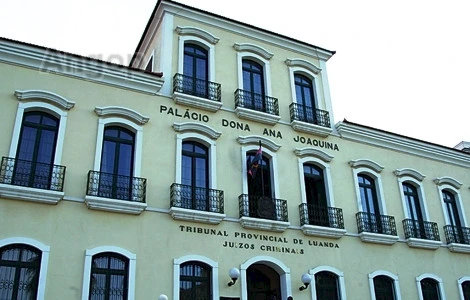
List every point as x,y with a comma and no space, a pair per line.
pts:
400,66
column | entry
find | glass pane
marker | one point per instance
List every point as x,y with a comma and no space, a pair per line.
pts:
27,143
125,160
46,147
7,277
108,157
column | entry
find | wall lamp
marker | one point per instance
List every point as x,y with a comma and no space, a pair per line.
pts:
306,279
163,297
234,273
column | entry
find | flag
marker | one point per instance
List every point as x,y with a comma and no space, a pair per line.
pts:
255,162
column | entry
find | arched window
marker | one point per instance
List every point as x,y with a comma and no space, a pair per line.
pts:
383,288
19,272
415,211
305,99
195,176
326,286
370,203
195,281
430,289
117,163
195,70
260,192
109,277
466,289
253,85
454,216
36,150
316,195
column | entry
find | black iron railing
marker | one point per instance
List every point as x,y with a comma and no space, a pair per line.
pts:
258,102
263,207
421,230
369,222
457,234
196,87
107,185
32,174
321,216
303,113
196,198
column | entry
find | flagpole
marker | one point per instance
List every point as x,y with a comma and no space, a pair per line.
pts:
262,179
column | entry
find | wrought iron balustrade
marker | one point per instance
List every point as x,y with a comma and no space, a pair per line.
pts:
369,222
196,198
321,216
108,185
262,207
32,174
303,113
196,87
421,230
457,234
258,102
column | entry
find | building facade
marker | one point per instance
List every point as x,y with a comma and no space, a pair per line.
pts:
212,168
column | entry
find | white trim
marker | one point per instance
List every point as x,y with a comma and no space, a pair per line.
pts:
396,285
45,249
258,57
87,269
458,202
255,139
177,262
340,278
197,127
197,32
459,283
439,283
276,265
408,172
121,112
210,47
419,189
446,180
52,98
313,152
325,167
365,169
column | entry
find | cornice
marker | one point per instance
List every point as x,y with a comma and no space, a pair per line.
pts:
197,127
296,62
367,163
193,31
254,139
409,172
369,136
449,181
52,98
79,67
245,47
123,112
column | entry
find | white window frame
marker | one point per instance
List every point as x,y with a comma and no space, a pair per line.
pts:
453,186
415,178
459,282
89,253
440,285
314,77
338,273
325,167
177,262
204,44
396,285
45,249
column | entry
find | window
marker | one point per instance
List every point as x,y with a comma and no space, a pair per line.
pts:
260,193
316,195
430,287
195,176
109,277
414,209
195,281
195,277
109,274
464,288
117,163
19,271
253,85
384,286
304,95
195,70
328,284
369,203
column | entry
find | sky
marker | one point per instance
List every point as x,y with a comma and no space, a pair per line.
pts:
401,66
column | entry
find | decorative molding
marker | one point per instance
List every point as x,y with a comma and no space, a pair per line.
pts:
307,151
311,128
321,231
409,172
423,244
448,180
30,194
79,67
257,116
378,238
245,47
264,224
394,142
49,97
193,31
122,112
196,215
297,62
113,205
365,163
197,102
255,139
197,127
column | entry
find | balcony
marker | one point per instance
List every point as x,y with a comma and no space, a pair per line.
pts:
256,107
31,181
196,93
190,203
380,229
421,234
310,120
457,238
115,193
321,221
263,213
